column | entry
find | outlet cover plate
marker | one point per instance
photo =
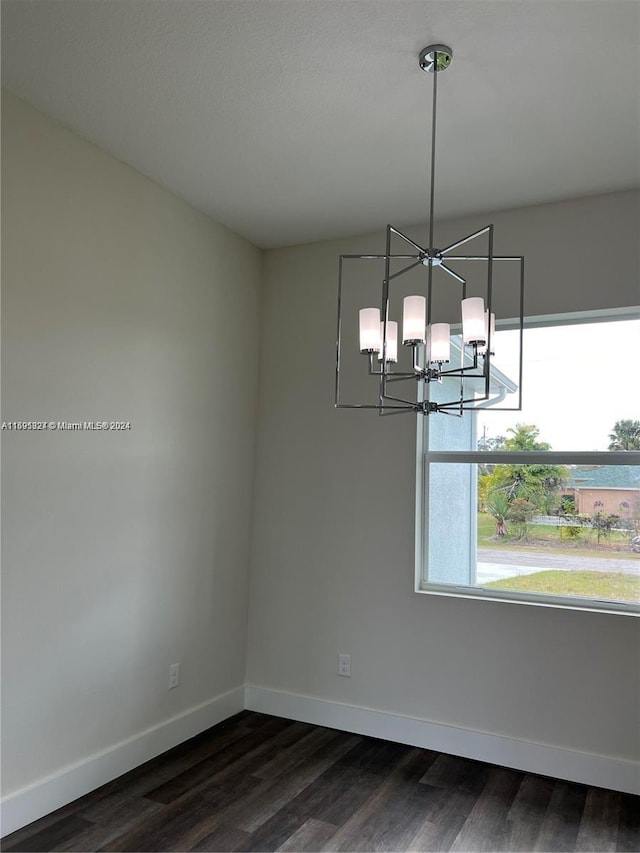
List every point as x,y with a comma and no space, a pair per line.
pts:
344,665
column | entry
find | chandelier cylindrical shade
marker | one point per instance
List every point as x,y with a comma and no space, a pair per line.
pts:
440,342
370,330
414,318
392,340
473,325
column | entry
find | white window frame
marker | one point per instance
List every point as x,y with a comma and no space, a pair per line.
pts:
425,457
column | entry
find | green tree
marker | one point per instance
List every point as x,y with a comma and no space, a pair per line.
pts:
625,435
603,523
491,442
538,484
487,444
571,524
521,511
525,437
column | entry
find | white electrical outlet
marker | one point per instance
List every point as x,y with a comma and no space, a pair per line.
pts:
174,675
344,665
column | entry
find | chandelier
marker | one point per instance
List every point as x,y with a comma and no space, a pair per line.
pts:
451,372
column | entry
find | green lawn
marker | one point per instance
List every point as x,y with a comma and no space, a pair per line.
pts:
608,585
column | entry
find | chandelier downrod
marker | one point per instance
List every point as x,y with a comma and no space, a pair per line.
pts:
433,59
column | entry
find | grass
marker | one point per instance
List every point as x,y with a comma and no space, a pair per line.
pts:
546,537
608,585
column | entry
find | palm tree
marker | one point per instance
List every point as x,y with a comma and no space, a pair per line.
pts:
498,507
625,435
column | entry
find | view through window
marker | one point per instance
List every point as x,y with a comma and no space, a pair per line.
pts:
543,501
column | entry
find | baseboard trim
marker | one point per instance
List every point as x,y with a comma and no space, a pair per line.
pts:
34,801
599,770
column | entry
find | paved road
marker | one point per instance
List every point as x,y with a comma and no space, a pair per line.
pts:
496,564
538,560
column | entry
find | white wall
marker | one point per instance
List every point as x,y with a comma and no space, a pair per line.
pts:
123,552
333,543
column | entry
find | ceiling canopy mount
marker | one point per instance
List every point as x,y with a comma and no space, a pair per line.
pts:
435,57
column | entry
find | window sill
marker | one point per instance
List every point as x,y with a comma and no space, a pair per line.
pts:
618,608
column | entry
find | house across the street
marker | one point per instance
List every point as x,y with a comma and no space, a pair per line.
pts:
609,489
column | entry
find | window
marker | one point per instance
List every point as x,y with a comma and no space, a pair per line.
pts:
541,505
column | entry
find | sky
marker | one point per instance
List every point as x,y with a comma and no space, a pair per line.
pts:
578,381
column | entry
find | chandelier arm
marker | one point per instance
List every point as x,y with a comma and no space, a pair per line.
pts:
464,372
456,403
406,269
373,372
399,410
455,245
391,377
365,406
451,414
417,367
463,377
408,239
454,274
483,258
377,257
399,400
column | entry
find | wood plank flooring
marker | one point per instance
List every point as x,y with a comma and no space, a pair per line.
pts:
259,783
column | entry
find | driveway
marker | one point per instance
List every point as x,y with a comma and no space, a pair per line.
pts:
496,564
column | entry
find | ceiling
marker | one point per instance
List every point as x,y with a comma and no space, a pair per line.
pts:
298,120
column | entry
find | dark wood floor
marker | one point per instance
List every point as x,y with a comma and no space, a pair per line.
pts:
261,783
